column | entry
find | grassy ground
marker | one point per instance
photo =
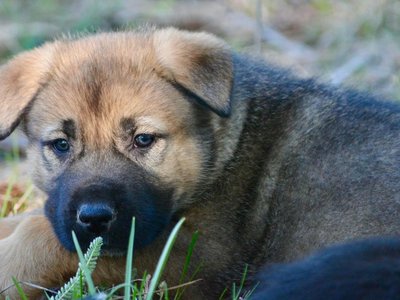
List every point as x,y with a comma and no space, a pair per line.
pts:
346,42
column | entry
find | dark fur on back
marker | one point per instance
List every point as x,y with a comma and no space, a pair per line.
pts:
327,156
367,269
313,165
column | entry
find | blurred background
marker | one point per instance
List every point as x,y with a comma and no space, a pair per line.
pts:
349,42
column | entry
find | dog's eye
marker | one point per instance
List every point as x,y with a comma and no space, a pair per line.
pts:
143,140
60,145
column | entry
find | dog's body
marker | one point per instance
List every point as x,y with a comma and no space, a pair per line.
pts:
163,124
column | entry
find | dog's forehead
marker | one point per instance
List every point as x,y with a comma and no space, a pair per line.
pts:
99,82
126,50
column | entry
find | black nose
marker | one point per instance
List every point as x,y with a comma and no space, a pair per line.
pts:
95,217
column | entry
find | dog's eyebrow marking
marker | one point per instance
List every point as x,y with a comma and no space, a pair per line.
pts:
69,128
127,124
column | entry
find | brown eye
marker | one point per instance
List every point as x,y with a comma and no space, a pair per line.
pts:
143,140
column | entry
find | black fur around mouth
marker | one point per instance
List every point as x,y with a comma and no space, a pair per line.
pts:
94,206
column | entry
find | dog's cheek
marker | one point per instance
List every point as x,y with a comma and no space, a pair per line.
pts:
44,168
39,173
181,168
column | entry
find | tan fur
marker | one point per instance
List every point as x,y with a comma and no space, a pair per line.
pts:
43,252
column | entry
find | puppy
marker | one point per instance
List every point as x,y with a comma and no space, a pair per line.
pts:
160,124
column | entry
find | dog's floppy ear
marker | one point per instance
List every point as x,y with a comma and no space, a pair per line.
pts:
200,63
20,81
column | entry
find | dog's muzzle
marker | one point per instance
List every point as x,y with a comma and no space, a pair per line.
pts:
105,207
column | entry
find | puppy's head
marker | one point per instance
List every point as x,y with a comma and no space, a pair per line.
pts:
120,125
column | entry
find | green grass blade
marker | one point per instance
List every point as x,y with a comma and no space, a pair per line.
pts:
189,256
249,293
7,195
19,289
83,266
15,148
234,295
129,260
242,282
163,287
163,259
81,284
180,291
223,294
24,199
116,289
27,193
142,285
